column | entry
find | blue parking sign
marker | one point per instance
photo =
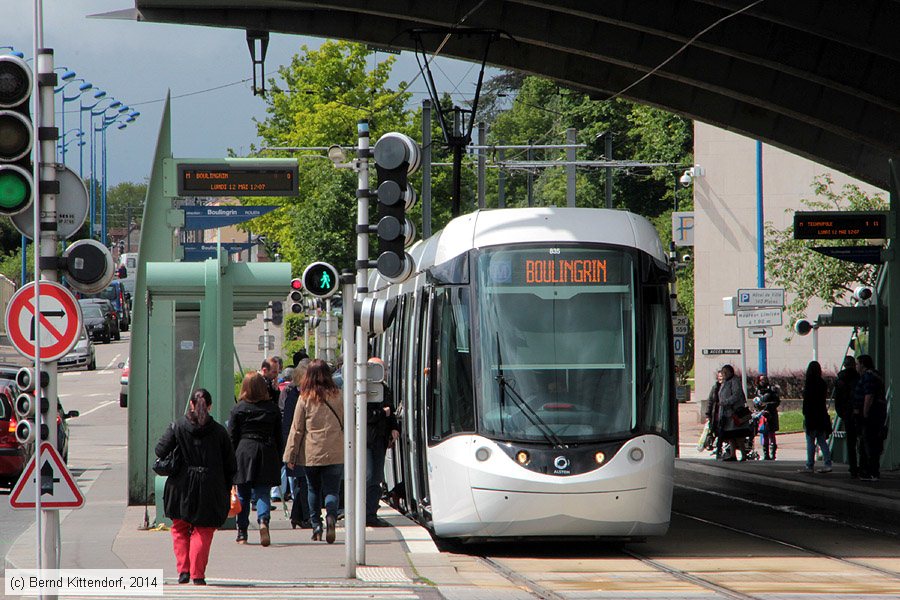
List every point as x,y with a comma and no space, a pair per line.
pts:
678,344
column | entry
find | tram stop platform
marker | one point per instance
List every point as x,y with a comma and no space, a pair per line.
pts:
402,561
780,482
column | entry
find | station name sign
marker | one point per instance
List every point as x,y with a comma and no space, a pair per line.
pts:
229,179
840,225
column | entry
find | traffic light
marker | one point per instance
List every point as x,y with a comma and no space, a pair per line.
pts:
277,312
296,296
320,280
16,136
27,403
396,157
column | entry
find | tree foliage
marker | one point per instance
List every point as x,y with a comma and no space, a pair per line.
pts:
807,274
316,101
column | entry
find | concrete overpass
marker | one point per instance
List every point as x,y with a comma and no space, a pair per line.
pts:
818,78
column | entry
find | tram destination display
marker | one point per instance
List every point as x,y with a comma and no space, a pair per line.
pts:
840,225
556,266
237,180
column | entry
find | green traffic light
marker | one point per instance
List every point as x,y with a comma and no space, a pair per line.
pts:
14,191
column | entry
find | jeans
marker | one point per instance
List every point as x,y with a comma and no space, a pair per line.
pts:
263,503
300,492
374,476
812,439
288,482
324,482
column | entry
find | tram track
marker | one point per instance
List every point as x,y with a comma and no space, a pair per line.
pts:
791,545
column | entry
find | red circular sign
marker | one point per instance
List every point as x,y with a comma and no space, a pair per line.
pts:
58,327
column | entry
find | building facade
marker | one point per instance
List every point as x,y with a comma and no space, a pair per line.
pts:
725,251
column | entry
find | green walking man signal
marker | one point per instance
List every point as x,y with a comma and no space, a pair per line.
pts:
320,279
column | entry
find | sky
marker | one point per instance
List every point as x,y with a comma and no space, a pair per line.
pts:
137,63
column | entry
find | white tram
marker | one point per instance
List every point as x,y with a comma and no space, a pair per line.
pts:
531,362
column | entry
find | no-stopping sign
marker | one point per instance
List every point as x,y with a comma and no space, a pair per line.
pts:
57,328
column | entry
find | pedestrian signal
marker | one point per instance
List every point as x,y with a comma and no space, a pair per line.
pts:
320,280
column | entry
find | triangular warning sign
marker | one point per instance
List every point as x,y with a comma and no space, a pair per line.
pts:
58,489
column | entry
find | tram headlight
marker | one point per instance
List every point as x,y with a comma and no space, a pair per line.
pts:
599,457
522,457
636,454
483,454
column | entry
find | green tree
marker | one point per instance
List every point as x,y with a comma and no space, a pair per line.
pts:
125,200
807,274
317,102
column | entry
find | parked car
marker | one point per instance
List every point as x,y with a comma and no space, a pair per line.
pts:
117,295
107,308
97,322
82,355
123,380
13,455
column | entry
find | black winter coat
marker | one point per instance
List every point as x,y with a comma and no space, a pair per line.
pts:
255,430
815,407
199,492
288,403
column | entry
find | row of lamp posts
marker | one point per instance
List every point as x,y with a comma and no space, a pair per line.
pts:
113,113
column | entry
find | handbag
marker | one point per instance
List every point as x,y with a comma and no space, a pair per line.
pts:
235,507
170,464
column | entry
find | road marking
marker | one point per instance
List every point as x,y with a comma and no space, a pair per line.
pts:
86,413
112,362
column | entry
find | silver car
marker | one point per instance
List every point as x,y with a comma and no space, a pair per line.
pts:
82,355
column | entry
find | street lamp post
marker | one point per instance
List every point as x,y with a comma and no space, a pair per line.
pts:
107,121
85,86
93,157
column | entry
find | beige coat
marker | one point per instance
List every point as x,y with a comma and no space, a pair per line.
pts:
316,438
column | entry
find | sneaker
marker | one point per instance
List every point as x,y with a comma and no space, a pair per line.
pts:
868,478
805,470
824,470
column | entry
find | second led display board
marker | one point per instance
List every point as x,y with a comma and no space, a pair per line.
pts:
237,180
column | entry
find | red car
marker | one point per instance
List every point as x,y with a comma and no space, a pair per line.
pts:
13,455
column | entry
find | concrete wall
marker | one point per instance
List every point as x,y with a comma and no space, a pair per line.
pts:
725,248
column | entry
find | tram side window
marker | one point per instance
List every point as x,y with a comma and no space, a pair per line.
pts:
657,348
451,407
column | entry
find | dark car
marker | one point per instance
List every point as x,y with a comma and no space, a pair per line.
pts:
109,309
97,322
13,454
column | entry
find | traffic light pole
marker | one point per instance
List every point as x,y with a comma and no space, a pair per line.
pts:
362,354
349,349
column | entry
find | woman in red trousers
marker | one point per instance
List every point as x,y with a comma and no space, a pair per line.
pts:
197,496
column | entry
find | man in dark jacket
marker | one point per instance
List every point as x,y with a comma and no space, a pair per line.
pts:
196,497
870,404
381,431
844,388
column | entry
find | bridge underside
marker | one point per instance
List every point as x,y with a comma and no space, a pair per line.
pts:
820,79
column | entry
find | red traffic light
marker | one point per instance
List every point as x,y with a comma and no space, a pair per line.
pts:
296,284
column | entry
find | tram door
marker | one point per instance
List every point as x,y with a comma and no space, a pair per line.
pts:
419,455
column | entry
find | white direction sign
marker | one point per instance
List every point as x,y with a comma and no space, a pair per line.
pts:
58,489
759,332
57,328
760,297
759,317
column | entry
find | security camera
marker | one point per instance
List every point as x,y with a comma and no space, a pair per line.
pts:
803,327
686,179
863,293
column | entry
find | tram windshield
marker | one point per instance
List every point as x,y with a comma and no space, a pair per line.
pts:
556,329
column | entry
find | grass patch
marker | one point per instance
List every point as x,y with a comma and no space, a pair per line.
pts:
791,421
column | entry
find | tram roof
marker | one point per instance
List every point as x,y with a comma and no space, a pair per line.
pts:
819,79
485,228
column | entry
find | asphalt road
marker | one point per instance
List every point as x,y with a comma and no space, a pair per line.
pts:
95,394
